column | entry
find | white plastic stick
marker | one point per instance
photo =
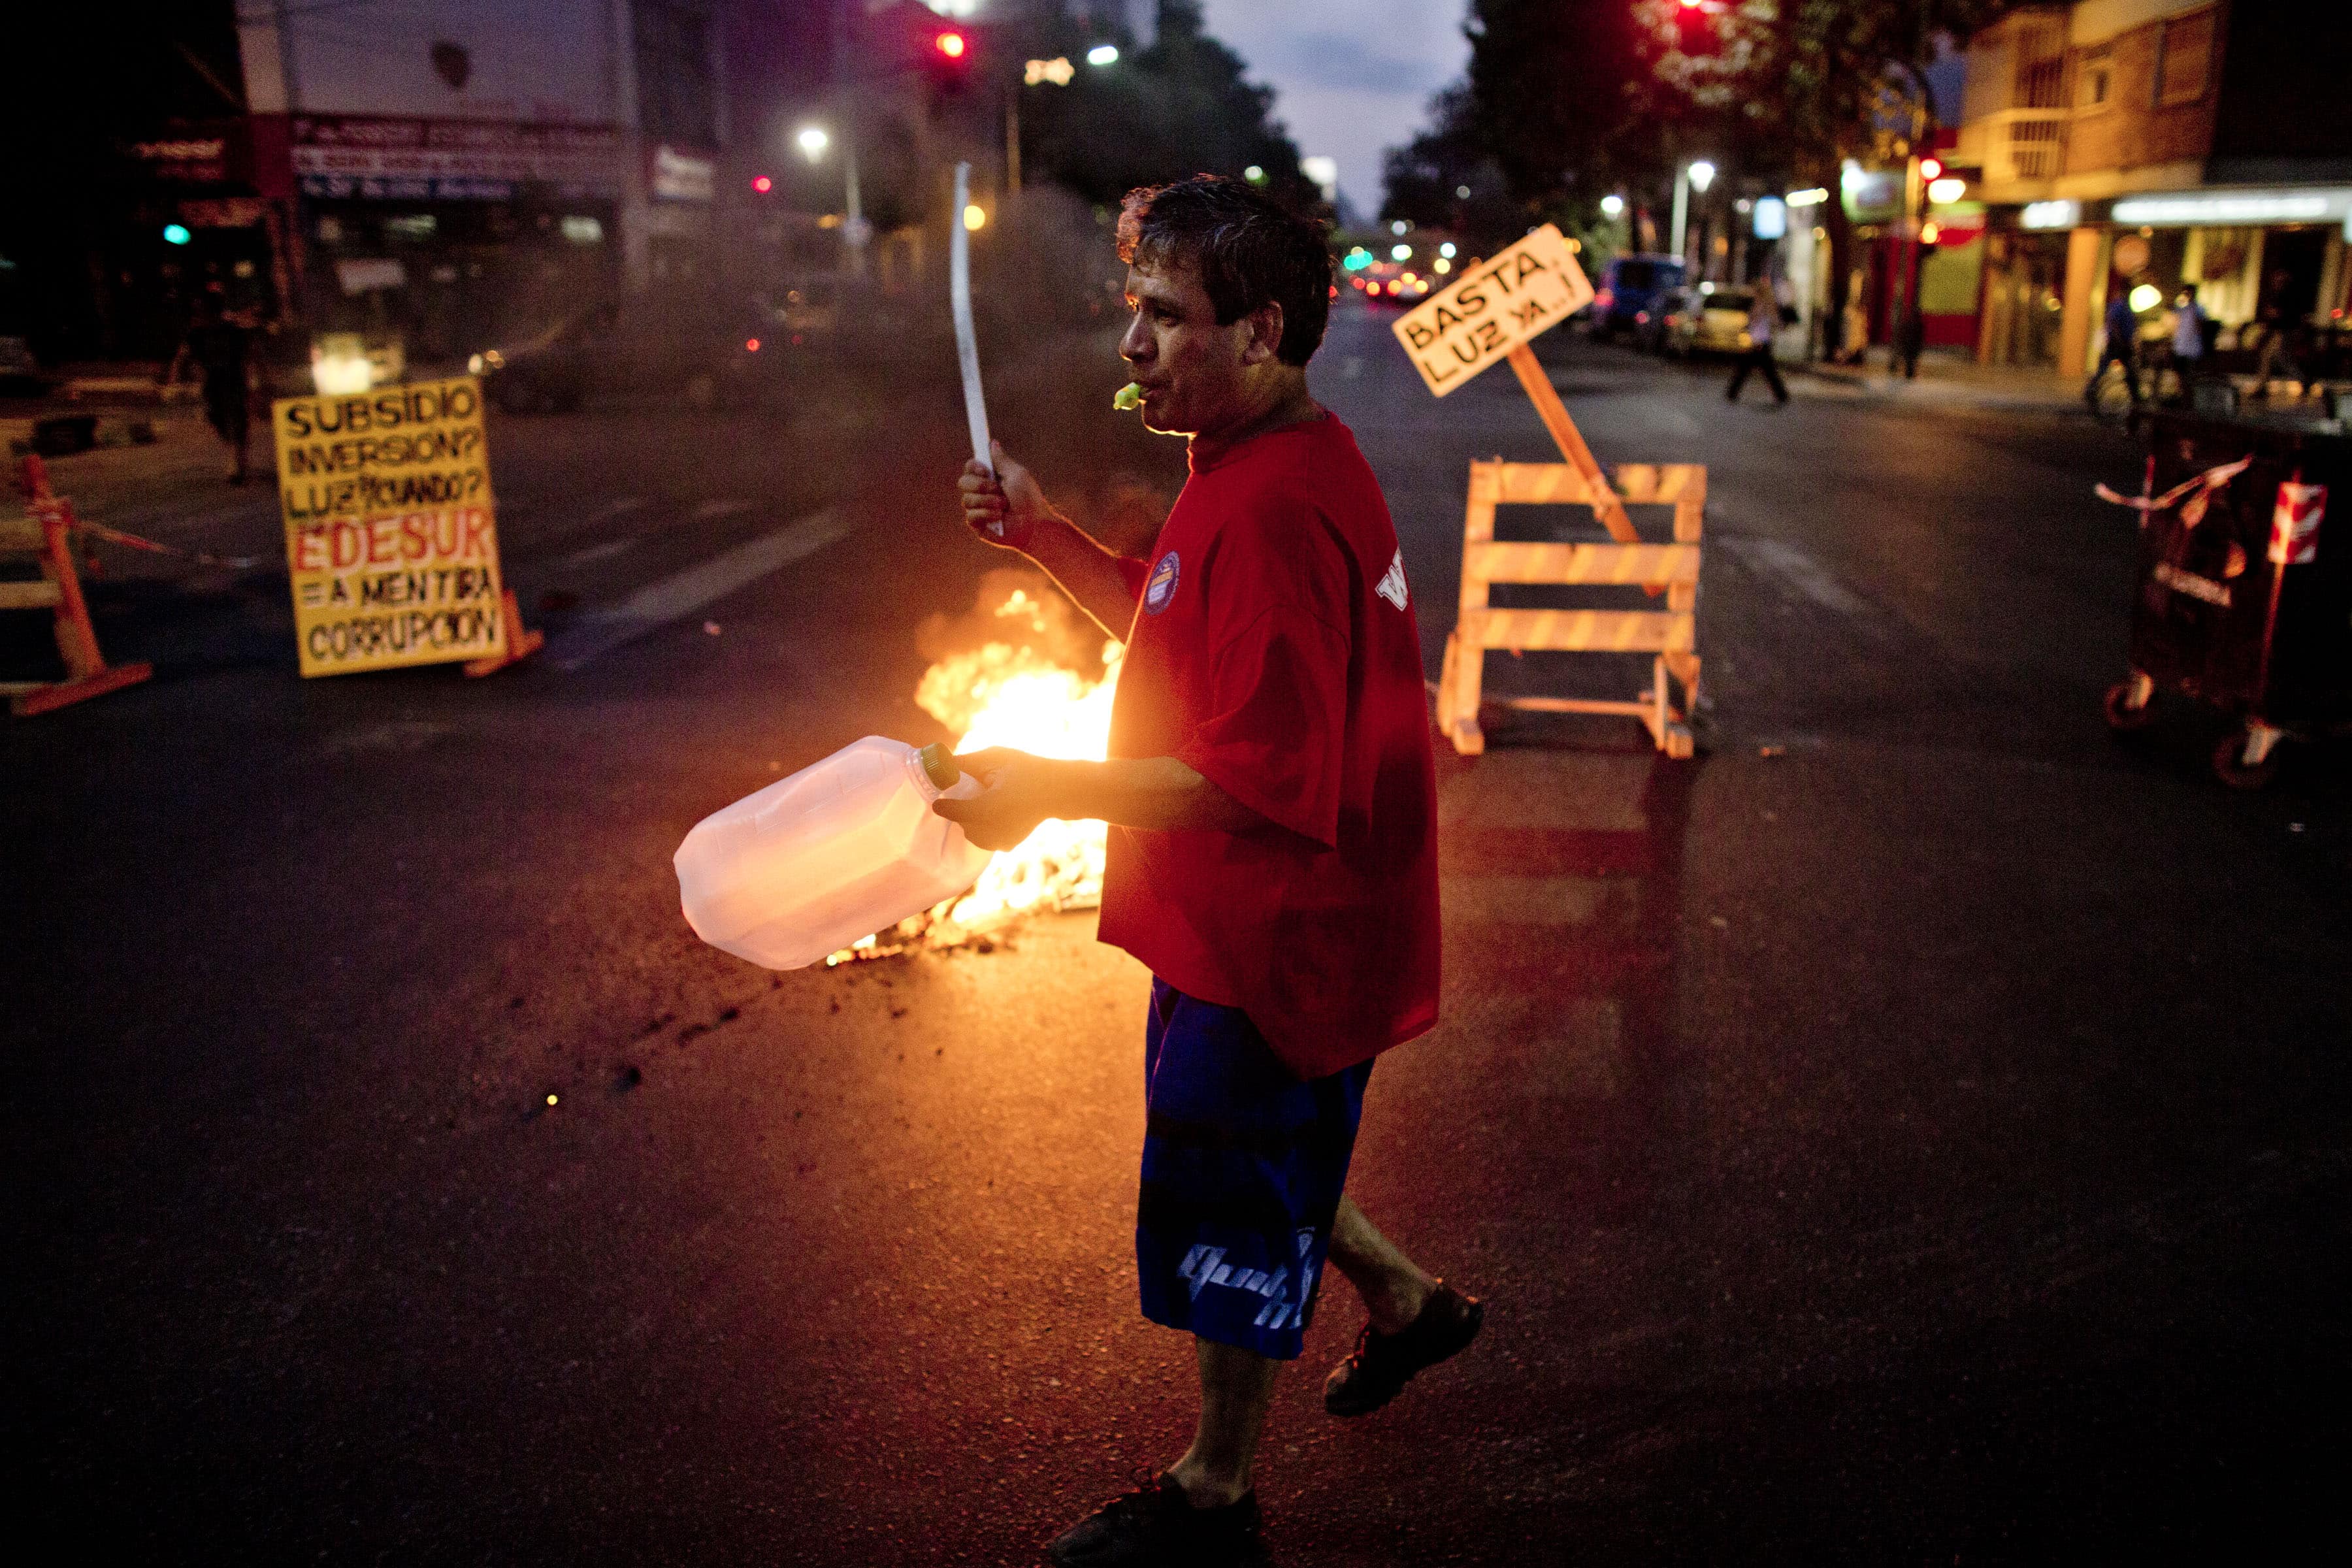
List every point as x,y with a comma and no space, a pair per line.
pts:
975,408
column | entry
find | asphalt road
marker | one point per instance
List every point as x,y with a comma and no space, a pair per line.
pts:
1910,1131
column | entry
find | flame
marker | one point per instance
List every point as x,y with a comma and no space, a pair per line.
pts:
1007,692
1004,694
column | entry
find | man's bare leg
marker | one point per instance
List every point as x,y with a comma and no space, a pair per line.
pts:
1393,1287
1236,1390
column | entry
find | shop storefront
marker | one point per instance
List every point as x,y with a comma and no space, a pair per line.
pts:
201,215
2024,295
443,237
2260,257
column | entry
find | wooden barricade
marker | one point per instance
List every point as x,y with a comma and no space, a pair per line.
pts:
44,534
1670,634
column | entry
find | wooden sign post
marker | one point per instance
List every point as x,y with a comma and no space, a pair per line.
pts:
1490,314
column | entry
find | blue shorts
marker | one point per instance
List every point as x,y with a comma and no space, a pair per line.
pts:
1242,1166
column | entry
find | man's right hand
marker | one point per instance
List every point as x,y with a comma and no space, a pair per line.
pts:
1005,506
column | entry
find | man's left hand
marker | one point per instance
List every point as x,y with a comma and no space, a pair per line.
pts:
1014,797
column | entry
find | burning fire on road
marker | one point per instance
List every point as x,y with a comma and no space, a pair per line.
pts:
1026,673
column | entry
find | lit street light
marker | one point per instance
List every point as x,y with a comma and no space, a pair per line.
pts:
1697,173
814,141
1400,253
1613,206
1103,55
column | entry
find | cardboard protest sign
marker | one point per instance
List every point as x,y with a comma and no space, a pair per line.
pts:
391,532
1495,307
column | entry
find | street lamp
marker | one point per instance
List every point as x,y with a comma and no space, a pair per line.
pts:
813,140
1697,173
1059,72
1612,206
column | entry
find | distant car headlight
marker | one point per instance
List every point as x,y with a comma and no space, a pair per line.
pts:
473,364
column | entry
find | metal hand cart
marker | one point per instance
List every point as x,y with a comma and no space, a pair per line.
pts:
2244,598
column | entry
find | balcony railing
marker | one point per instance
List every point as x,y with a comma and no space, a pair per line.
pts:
2022,146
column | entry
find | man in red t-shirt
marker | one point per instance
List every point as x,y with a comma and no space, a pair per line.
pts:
1272,855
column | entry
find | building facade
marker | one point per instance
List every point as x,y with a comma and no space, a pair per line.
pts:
2117,144
453,171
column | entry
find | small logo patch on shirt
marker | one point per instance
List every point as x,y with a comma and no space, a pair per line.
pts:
1161,587
1391,584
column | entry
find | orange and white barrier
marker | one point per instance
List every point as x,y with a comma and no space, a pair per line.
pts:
44,534
1670,634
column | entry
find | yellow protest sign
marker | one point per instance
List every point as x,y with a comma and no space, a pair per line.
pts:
1495,307
391,529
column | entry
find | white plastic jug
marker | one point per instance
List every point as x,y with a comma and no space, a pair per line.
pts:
843,848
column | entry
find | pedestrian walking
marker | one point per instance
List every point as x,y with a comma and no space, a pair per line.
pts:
1273,852
2188,337
1910,338
2277,356
1763,322
220,348
2120,348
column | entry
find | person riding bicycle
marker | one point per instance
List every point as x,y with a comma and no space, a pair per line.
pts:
2122,349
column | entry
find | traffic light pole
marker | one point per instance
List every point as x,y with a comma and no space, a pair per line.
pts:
1012,139
853,233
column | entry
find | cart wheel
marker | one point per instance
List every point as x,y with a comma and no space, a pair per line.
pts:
2231,767
2122,717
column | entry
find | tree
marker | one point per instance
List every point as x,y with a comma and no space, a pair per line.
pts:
1817,82
1446,178
1558,95
1181,107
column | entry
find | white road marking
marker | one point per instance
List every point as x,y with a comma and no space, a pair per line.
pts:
1776,558
605,551
656,604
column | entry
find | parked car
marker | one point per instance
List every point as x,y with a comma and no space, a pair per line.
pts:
20,372
1671,305
1627,298
1712,320
705,353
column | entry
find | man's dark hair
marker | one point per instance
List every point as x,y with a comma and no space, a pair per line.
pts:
1249,248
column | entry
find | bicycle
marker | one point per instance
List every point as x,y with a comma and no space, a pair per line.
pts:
2112,396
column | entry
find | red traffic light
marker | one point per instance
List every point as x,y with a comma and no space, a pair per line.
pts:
761,183
951,45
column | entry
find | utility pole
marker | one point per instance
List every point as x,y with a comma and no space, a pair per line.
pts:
1012,139
854,228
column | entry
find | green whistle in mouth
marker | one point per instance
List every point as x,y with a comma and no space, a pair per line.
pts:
1129,397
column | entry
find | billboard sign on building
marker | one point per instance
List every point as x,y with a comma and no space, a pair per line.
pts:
380,157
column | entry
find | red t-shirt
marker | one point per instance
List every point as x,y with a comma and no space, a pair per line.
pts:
1273,650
